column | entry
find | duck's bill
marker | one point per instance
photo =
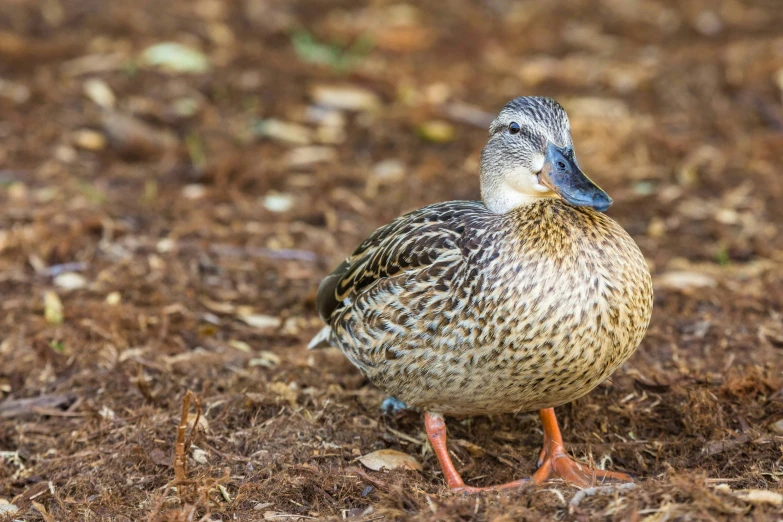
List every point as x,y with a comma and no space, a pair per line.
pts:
563,176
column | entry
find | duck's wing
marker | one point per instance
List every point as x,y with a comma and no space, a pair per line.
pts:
410,242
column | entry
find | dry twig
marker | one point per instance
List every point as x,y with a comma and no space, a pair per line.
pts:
183,443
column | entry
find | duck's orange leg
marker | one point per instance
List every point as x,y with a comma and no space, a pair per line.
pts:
436,433
553,461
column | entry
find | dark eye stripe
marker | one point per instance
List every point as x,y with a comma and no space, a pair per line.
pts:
514,127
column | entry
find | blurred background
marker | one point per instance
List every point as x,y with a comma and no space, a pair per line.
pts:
176,177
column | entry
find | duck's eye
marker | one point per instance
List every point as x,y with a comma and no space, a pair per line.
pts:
514,127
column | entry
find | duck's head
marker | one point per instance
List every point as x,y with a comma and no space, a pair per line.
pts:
530,156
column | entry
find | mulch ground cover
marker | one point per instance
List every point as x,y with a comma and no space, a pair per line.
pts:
177,176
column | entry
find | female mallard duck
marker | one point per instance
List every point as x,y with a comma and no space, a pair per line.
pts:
522,302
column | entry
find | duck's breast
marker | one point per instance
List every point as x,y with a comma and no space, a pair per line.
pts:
566,299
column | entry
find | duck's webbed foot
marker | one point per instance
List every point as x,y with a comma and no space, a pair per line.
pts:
392,405
554,462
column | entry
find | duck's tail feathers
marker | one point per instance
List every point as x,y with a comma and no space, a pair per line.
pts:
321,339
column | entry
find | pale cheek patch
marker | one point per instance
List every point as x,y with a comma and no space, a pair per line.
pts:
538,164
538,187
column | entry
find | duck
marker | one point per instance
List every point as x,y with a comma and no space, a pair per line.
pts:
521,302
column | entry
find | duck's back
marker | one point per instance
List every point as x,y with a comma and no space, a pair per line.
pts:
458,310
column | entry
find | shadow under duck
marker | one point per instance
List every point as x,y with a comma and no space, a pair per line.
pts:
523,301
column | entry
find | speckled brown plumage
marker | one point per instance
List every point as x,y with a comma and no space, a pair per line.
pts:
456,310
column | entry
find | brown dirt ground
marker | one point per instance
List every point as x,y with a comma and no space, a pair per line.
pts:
676,111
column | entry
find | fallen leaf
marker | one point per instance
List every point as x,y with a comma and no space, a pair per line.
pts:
160,457
175,57
203,423
199,455
242,346
254,398
136,138
88,139
260,321
113,298
284,131
107,413
684,280
53,308
283,391
278,202
772,333
405,39
194,191
474,449
43,512
389,459
760,496
471,114
70,281
266,359
218,307
309,155
7,507
350,98
436,131
99,92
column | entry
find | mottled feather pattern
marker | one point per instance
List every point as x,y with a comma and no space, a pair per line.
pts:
410,241
457,310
